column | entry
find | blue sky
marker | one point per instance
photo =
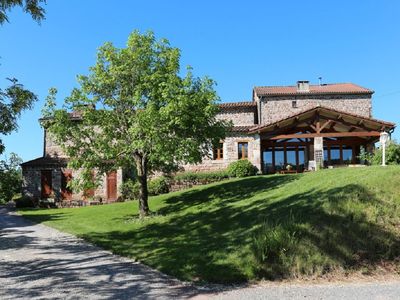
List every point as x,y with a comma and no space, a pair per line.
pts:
240,44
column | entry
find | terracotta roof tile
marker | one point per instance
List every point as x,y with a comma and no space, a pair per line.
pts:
238,104
335,88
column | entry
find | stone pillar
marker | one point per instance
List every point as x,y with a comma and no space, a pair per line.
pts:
318,152
257,152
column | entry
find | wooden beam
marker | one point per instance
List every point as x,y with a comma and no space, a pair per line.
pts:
327,134
327,123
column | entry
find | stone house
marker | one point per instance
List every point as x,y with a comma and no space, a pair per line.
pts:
303,126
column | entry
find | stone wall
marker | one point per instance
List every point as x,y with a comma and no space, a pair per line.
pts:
240,116
51,148
276,108
230,150
31,186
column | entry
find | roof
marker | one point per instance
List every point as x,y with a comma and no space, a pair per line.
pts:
369,122
323,89
238,104
244,128
46,162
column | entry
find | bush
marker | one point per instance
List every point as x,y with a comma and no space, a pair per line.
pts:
241,168
204,177
375,158
25,202
158,185
10,178
130,190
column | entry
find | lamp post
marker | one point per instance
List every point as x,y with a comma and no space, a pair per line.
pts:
383,140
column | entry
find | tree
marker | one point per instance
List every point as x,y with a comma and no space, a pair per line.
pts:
13,100
148,117
10,177
32,7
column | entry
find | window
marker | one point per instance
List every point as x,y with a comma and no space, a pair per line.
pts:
243,150
294,104
219,151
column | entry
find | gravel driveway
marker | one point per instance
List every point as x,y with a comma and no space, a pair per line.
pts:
38,262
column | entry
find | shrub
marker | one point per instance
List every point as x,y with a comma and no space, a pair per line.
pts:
10,178
241,168
392,154
130,190
158,185
24,202
205,177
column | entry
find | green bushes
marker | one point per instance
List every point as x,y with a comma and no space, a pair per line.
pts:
375,158
241,168
130,190
10,178
24,202
158,185
201,177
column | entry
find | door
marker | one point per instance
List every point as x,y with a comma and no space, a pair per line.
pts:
112,186
66,177
46,183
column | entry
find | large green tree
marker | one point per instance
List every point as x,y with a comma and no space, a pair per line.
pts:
32,7
135,110
13,100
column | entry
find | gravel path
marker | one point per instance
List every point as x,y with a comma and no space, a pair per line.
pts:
38,262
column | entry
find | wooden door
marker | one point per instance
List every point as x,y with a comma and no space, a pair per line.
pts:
112,186
46,183
66,177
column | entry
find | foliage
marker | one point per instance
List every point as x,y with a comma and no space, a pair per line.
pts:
13,100
207,177
337,222
130,190
241,168
375,158
32,7
392,154
10,178
158,185
25,202
150,118
274,247
365,156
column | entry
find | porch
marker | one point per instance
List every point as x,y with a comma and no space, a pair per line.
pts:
317,137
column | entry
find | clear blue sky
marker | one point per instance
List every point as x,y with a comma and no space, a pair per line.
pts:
240,44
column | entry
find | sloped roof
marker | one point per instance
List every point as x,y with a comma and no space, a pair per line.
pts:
323,89
370,122
238,104
46,162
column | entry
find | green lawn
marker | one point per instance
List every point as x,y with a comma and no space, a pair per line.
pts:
243,229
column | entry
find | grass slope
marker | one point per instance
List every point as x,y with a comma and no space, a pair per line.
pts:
243,229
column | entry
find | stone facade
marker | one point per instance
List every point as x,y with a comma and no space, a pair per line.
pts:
231,154
273,109
241,116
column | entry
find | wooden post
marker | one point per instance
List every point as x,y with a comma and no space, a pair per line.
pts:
341,153
273,158
284,156
297,159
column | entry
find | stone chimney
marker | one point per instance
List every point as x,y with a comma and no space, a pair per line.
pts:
303,86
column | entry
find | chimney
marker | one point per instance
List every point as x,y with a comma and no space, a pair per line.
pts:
303,86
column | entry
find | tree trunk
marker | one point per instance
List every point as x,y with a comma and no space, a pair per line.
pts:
141,166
